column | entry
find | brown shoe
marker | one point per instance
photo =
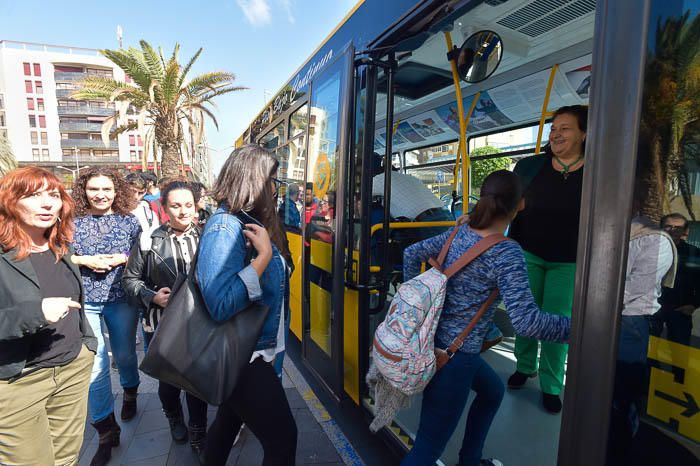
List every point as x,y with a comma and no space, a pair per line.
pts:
108,431
129,403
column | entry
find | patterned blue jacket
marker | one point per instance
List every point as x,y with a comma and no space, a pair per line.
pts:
105,234
502,266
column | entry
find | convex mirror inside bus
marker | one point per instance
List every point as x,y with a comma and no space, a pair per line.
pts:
479,56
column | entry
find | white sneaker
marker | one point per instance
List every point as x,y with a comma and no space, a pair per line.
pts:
491,462
238,436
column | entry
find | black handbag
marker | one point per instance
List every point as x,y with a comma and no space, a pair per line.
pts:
193,352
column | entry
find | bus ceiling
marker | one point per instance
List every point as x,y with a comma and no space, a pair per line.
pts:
535,37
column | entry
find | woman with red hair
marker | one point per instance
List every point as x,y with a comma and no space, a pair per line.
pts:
46,344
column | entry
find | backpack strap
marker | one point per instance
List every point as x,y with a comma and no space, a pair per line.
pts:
437,263
459,339
475,251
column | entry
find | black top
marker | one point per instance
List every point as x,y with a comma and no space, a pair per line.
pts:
56,344
686,289
548,226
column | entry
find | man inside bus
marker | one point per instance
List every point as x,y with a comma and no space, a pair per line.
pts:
679,303
410,199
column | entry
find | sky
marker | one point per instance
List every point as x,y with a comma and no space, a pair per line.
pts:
261,41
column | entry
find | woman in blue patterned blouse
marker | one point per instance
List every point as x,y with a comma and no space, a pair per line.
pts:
105,231
502,267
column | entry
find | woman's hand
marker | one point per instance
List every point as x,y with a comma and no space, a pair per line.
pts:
115,260
99,263
162,296
260,240
462,220
55,309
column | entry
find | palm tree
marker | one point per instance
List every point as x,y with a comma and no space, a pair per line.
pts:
7,158
166,103
671,109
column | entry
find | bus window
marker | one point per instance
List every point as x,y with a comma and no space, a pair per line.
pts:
274,138
510,141
299,121
439,153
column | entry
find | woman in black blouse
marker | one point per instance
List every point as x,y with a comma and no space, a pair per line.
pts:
154,264
547,230
46,344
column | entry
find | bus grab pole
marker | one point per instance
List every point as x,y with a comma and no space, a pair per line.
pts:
545,105
388,165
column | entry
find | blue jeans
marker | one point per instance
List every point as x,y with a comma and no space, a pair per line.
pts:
121,320
444,400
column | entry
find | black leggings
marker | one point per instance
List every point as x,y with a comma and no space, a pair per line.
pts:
258,401
170,399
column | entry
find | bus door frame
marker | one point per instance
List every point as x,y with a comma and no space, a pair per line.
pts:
334,385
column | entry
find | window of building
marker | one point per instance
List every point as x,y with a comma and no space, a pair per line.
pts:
105,153
32,121
132,140
140,141
2,119
30,103
140,155
39,87
40,105
27,69
35,154
132,155
42,121
2,102
34,136
44,138
28,87
44,154
37,69
3,134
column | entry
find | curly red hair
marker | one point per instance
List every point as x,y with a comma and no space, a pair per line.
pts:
14,186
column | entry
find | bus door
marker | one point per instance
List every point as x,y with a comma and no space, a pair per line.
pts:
323,217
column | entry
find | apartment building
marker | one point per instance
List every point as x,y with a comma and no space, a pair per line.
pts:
46,127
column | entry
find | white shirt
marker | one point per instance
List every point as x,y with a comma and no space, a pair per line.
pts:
409,196
148,221
649,259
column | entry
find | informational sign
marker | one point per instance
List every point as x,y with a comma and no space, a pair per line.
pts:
674,387
322,175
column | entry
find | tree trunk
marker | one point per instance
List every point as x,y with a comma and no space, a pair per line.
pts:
170,162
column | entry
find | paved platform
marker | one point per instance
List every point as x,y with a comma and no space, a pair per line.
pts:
146,441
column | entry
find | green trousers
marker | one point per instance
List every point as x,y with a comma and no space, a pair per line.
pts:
552,285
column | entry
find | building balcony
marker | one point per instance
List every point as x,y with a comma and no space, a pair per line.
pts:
64,93
87,144
61,76
73,126
69,160
85,110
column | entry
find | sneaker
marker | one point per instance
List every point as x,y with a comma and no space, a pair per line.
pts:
238,436
491,462
518,379
551,403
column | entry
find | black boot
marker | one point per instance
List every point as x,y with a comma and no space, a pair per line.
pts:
198,438
109,431
129,403
177,425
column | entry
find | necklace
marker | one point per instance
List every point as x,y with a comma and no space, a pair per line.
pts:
566,167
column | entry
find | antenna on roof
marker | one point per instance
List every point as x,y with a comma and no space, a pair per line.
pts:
120,33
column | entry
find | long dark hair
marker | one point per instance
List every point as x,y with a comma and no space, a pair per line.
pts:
500,194
123,199
244,184
580,112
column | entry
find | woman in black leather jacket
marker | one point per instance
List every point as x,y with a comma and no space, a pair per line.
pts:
154,264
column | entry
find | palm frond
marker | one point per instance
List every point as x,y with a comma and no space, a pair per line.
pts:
152,59
186,69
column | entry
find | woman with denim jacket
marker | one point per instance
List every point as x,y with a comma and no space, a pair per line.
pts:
246,220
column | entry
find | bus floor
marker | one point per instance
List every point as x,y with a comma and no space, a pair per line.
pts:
146,441
524,434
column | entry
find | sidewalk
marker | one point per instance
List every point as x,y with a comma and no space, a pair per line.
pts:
146,441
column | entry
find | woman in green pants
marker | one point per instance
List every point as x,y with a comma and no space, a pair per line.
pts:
547,230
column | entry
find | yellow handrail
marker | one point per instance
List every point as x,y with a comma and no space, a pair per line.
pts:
410,225
545,105
460,105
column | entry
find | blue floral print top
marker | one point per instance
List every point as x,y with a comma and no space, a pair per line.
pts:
105,234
